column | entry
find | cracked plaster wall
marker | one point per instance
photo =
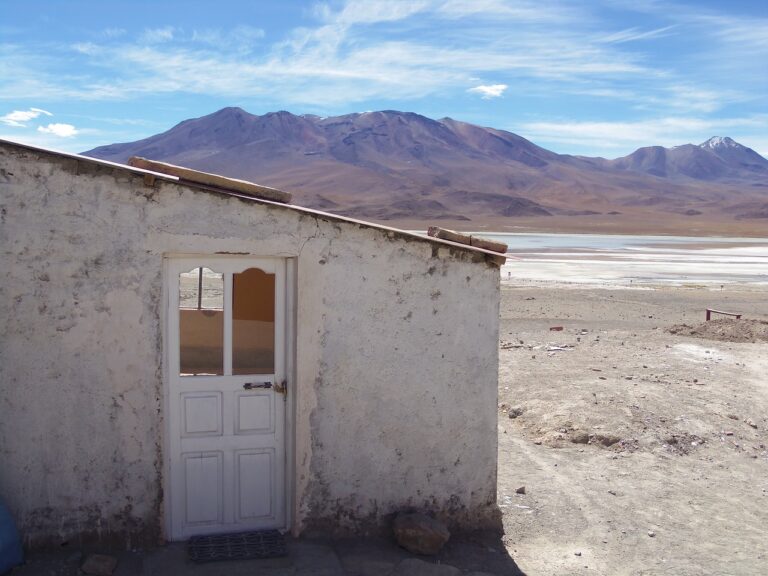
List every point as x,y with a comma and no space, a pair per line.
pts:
396,345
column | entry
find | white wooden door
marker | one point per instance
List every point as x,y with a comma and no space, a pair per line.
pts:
226,401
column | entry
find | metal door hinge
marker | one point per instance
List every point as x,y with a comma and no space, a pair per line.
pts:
282,388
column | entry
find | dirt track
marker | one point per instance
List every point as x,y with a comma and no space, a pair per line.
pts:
641,451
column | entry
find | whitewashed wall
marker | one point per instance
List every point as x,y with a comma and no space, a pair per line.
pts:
396,369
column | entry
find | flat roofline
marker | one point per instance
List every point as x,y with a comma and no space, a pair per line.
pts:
495,257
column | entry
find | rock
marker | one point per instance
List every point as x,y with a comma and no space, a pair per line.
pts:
420,534
99,565
416,567
651,533
577,553
580,438
516,411
751,423
520,490
605,439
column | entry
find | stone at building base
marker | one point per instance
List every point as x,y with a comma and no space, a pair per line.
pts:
420,534
99,565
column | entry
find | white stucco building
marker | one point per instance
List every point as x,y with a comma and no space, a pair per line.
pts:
180,358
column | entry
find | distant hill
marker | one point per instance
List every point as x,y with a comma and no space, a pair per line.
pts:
716,160
401,166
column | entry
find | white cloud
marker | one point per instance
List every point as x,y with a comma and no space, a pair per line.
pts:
87,48
20,117
489,91
242,38
157,35
518,11
370,11
632,34
114,32
61,130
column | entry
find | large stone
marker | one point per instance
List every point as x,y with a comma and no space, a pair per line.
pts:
99,565
420,534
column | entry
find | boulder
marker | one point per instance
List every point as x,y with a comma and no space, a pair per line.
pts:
419,533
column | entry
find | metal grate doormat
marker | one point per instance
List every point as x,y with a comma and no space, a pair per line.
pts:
237,546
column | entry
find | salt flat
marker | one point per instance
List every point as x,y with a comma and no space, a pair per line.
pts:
617,261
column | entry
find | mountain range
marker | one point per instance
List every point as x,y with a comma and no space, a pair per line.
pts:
406,168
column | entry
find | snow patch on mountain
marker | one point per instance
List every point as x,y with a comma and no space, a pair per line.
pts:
720,142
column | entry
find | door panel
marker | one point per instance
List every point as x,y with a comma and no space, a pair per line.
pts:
255,413
254,478
203,478
226,352
201,414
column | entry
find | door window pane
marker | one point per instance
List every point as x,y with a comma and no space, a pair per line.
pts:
253,322
201,322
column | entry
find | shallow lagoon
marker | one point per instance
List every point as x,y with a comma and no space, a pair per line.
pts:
618,260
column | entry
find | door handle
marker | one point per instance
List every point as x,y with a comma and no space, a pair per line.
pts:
255,385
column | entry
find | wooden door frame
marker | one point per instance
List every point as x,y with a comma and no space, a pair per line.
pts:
291,290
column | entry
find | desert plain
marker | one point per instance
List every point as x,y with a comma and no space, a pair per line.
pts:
629,444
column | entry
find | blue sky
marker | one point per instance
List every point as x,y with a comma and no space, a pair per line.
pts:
598,77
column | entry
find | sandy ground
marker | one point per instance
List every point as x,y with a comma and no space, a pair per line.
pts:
641,452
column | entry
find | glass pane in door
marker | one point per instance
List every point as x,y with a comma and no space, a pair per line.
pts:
201,322
253,322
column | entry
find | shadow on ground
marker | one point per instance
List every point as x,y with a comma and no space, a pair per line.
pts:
474,554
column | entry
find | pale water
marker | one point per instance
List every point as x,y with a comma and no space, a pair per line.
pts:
620,260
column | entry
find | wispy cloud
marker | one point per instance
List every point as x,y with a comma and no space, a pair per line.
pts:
61,130
114,32
157,35
87,48
20,118
487,92
370,11
239,41
241,37
346,57
520,11
633,34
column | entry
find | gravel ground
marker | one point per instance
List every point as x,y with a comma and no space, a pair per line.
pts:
641,451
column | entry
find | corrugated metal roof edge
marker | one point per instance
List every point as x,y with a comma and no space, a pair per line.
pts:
494,257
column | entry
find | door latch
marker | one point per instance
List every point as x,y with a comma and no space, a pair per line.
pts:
255,385
282,388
